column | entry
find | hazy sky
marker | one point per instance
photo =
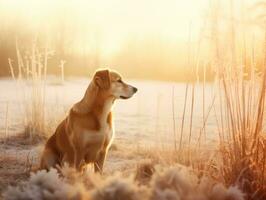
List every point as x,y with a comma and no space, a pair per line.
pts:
149,34
113,21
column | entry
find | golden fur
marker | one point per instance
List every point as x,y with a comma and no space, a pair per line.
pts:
85,135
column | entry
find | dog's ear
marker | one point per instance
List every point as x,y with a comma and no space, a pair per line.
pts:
102,79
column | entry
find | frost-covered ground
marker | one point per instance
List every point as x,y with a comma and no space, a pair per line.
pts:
144,120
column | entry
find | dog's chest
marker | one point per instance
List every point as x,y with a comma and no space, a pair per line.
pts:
99,137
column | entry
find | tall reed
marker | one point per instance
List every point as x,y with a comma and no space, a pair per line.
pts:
7,122
31,78
240,121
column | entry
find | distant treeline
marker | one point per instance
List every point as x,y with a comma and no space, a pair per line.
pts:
138,58
78,38
149,58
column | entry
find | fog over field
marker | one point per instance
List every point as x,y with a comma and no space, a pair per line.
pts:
147,118
194,129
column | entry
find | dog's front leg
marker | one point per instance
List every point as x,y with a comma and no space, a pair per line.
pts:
79,156
69,157
98,164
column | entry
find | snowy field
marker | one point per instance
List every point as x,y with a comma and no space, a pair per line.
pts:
144,125
147,118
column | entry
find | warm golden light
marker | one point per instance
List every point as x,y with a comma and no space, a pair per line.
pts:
163,99
111,21
139,35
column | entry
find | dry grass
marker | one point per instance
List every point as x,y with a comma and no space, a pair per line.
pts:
165,184
30,74
240,116
242,141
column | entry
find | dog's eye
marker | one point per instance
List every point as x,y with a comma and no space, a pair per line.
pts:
119,81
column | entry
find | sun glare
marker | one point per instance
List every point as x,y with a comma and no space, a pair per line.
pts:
112,21
150,34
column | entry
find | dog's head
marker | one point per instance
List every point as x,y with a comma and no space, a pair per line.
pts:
112,84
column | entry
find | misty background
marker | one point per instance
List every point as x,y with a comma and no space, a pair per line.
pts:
148,39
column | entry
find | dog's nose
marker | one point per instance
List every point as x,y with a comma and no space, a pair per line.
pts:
135,89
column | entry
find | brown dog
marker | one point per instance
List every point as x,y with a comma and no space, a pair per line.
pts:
87,132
